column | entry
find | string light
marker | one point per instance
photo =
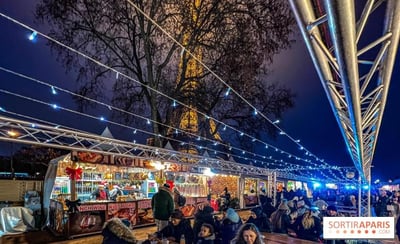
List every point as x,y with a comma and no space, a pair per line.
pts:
227,92
97,62
33,36
64,45
121,125
53,91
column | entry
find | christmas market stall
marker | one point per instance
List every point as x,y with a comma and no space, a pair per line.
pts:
73,188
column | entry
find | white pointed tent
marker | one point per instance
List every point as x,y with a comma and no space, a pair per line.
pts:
51,174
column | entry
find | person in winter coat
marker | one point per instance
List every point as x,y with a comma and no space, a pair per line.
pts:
268,209
308,226
258,218
176,228
228,226
204,215
114,231
162,205
280,219
206,234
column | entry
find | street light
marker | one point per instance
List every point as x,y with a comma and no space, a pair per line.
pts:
12,134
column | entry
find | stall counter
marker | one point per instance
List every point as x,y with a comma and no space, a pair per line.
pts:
92,215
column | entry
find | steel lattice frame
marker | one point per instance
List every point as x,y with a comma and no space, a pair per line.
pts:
50,136
57,137
357,100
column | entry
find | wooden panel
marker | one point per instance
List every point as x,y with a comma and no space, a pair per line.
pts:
14,190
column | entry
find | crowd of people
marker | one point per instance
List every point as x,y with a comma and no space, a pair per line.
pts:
296,216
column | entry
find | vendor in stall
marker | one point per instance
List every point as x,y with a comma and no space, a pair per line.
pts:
100,193
115,192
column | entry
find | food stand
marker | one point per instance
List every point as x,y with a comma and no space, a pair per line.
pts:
138,179
78,178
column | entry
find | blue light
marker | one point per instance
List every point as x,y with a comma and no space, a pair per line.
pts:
255,112
148,121
53,90
365,187
102,118
241,134
2,109
134,132
316,184
55,106
174,104
33,125
224,127
227,92
33,36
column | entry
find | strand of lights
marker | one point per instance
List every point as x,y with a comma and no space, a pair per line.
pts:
115,123
148,87
308,153
148,120
219,78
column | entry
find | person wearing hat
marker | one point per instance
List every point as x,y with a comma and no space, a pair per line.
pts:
280,219
331,211
228,226
100,193
258,218
206,234
162,205
115,231
176,228
203,215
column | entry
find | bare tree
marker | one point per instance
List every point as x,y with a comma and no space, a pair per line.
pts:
235,39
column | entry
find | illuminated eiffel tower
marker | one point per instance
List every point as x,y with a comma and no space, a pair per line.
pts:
186,118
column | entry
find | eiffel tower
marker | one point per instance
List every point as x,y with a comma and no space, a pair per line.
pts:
187,118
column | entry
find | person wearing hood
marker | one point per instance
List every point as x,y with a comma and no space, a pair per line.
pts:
162,205
258,218
204,215
206,234
176,228
280,219
228,226
114,231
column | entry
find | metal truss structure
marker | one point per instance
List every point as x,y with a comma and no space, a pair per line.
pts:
356,79
57,137
50,136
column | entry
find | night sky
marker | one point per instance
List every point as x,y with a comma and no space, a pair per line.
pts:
311,120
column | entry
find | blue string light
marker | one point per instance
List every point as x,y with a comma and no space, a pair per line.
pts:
227,92
53,90
33,36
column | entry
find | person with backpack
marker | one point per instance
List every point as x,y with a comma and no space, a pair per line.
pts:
179,199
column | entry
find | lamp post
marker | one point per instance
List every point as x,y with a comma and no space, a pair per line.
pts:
12,134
